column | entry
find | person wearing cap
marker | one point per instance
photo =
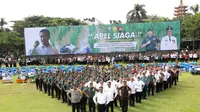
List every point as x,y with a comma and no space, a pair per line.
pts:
139,87
125,93
151,42
101,99
110,93
169,42
75,97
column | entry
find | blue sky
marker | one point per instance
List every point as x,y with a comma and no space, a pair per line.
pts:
104,10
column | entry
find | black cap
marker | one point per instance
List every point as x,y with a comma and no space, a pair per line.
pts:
169,28
149,30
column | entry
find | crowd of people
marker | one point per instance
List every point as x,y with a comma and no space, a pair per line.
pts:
107,86
101,59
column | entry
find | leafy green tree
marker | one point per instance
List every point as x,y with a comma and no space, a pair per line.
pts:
11,42
156,18
42,21
137,14
195,9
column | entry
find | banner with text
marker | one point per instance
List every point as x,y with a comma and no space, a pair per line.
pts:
148,36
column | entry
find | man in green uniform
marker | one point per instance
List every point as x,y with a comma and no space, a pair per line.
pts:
45,82
90,92
144,91
151,42
151,79
37,79
41,80
48,80
63,88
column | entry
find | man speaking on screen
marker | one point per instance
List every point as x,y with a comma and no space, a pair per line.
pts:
169,42
151,42
46,48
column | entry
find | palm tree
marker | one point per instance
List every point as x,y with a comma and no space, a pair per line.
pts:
2,23
195,9
137,14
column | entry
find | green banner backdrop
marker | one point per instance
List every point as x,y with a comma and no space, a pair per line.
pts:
148,36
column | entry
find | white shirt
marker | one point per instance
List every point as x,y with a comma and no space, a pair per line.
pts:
132,85
194,55
88,84
166,76
167,44
190,55
139,86
110,93
119,84
42,50
113,84
157,76
99,85
100,98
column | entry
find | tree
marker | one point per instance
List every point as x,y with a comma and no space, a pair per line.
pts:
11,42
2,23
42,21
137,14
195,9
156,18
190,26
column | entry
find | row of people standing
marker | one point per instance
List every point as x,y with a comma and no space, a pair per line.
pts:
106,93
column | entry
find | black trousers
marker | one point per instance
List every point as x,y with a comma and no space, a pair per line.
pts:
158,87
83,103
59,93
170,81
110,105
64,96
174,80
68,100
45,87
115,101
138,97
161,86
124,102
120,101
52,90
37,83
165,85
132,100
151,88
40,84
49,89
75,106
101,107
92,107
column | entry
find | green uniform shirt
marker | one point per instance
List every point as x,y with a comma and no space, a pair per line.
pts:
152,46
151,78
91,92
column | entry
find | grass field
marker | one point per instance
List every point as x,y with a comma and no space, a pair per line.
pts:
185,97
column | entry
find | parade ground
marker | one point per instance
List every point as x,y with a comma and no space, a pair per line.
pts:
25,98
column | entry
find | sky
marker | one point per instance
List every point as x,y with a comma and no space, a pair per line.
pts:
103,10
